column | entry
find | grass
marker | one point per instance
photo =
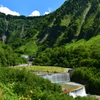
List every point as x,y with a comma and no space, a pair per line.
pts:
44,69
93,43
76,44
29,48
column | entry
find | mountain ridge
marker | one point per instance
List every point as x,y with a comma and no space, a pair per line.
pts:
73,21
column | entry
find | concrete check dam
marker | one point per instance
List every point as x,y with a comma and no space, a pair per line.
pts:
63,79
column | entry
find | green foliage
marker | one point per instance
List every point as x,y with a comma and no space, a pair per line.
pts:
90,77
8,57
80,53
25,81
22,84
72,21
6,93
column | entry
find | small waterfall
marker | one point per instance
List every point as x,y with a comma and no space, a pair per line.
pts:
56,78
78,92
63,79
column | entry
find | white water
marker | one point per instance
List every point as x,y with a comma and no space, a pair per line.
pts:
78,92
65,77
55,78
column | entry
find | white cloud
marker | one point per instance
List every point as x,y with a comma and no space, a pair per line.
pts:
35,13
8,11
48,11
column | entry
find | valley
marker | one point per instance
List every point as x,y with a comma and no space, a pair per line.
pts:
68,37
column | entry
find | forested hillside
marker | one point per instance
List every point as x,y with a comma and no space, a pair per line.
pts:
74,20
67,37
8,57
73,55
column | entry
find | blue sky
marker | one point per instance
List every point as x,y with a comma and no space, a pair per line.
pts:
29,7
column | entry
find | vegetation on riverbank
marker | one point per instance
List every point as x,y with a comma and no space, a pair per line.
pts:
89,76
23,85
44,69
74,55
8,57
68,37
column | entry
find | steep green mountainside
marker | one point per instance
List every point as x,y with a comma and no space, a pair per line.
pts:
68,37
93,43
79,54
18,32
74,20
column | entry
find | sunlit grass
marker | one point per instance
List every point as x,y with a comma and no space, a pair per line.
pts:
44,69
29,48
93,43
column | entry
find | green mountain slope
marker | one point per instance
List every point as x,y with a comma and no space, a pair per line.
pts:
68,37
93,43
74,20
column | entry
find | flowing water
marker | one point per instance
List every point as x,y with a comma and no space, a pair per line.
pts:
78,92
63,79
56,78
